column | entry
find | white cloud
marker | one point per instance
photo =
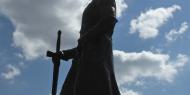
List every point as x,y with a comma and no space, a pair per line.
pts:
147,23
175,34
128,92
32,48
131,66
11,72
121,6
37,21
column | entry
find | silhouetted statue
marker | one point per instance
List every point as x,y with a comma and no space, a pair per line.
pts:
92,71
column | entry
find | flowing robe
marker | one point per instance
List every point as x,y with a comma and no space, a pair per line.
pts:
92,71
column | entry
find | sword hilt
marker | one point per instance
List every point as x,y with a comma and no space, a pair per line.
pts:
50,53
58,41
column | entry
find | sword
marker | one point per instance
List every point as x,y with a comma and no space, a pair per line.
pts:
56,64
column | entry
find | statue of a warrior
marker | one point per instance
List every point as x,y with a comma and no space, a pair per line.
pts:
92,71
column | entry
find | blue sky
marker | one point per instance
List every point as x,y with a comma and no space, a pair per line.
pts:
150,42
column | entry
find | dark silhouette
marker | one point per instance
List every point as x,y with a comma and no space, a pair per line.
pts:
92,71
56,62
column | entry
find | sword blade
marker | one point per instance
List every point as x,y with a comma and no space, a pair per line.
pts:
55,78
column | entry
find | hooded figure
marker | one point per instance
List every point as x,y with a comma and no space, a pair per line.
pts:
92,71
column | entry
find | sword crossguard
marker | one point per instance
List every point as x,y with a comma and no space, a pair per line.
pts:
50,54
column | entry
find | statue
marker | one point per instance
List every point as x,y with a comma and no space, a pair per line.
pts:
92,71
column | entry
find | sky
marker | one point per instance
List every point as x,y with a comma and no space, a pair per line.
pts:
150,45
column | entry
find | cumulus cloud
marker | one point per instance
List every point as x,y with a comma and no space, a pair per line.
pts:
175,34
147,23
37,21
11,72
131,66
128,92
121,6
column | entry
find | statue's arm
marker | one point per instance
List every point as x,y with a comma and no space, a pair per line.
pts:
69,54
107,21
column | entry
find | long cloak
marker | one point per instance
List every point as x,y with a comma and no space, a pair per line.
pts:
92,71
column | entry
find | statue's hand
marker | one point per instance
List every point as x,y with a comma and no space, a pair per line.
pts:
57,56
62,56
